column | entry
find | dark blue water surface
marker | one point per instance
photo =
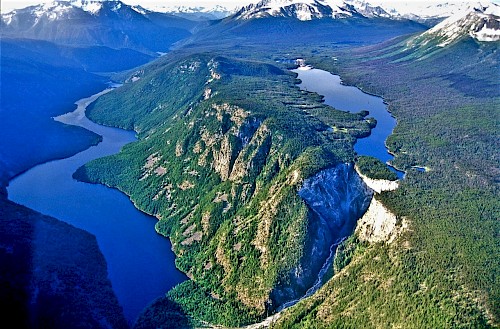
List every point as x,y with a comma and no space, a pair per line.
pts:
348,98
140,262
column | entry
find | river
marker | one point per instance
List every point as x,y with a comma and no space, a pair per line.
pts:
352,99
140,262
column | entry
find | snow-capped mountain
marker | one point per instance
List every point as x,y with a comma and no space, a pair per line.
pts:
91,23
367,9
479,22
198,12
306,10
425,10
64,9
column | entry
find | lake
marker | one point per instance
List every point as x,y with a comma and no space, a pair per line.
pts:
352,99
140,261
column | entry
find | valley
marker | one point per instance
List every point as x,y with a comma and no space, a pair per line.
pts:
272,182
107,214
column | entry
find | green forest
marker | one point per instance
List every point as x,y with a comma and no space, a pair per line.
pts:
219,138
223,139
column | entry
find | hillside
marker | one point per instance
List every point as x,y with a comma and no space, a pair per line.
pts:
232,155
235,172
261,199
96,23
44,287
56,53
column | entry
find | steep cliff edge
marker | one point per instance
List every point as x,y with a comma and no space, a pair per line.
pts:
378,224
378,185
336,198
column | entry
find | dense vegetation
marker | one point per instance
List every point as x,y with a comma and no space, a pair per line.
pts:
224,145
52,275
444,271
374,168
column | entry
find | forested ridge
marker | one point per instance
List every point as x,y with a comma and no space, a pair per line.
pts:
224,146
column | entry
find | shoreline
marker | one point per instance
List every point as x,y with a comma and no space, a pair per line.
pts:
72,202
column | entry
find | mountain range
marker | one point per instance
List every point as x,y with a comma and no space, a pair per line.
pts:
308,10
198,12
481,23
318,9
92,23
430,13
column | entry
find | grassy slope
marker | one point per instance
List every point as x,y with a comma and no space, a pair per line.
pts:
444,271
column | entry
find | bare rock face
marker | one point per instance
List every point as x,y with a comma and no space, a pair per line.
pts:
224,158
252,158
336,198
379,185
379,224
336,194
238,132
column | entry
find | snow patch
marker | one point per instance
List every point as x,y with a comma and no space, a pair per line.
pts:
92,7
479,22
486,35
304,10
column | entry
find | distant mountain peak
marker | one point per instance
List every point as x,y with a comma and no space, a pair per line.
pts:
306,10
197,12
480,21
95,23
90,6
59,9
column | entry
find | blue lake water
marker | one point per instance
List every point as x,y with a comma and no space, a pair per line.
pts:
140,261
352,99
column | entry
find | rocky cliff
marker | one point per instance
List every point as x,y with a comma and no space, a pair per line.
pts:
336,198
378,185
379,224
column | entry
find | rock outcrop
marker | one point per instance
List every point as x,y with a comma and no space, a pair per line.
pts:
378,185
379,224
336,198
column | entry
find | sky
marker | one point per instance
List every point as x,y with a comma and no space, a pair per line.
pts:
8,5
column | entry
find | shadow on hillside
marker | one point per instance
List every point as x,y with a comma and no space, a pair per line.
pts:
163,313
52,275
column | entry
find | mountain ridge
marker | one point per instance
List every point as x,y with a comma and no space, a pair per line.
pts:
306,10
90,23
481,24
